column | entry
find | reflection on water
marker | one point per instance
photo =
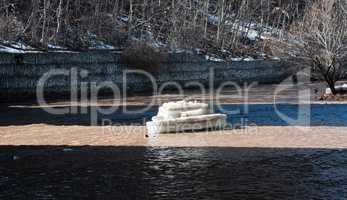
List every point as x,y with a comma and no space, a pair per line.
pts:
172,173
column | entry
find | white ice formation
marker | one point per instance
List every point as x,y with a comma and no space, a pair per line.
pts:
182,116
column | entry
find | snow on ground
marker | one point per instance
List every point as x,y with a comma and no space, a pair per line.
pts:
53,46
248,59
157,44
179,50
212,19
14,47
342,87
124,18
275,58
247,29
20,45
251,30
101,45
252,35
236,59
96,44
199,51
17,45
210,58
6,49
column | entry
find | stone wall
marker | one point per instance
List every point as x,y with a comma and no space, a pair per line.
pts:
20,73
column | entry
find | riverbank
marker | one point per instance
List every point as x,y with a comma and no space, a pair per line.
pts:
262,137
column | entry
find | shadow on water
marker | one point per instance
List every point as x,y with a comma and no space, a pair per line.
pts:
63,172
258,114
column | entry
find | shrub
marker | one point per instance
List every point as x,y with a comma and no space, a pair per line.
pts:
142,55
10,27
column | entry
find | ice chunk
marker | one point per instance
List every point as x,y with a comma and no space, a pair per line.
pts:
183,116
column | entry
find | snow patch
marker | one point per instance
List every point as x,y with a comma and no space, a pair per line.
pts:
157,44
213,59
22,46
124,18
96,44
199,51
52,46
275,58
102,45
14,47
252,35
17,45
212,19
10,50
342,88
248,59
236,59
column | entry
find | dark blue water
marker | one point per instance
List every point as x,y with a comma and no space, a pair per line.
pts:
305,115
254,114
265,115
52,172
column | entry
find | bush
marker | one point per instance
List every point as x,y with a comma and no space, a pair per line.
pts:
10,28
141,55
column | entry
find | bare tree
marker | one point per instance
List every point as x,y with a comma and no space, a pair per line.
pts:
208,24
59,15
318,41
43,40
220,19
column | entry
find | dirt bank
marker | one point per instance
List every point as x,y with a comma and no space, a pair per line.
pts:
265,136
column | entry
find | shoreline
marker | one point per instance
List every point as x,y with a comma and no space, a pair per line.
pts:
326,137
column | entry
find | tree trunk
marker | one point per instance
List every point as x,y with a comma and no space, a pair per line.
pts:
35,22
220,20
60,7
130,17
332,87
43,33
206,18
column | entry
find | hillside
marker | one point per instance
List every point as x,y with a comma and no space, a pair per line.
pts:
220,28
